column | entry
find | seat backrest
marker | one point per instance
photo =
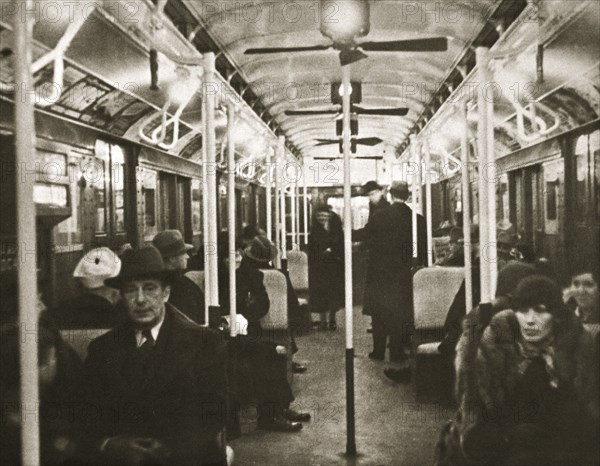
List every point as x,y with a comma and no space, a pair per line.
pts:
80,338
276,286
197,276
434,289
298,270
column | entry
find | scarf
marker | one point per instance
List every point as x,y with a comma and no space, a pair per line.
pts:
545,351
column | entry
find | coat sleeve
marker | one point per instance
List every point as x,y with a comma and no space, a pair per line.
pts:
257,299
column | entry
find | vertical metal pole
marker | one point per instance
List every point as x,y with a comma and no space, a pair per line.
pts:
282,205
296,216
210,90
277,207
205,217
26,234
350,421
428,204
305,205
268,200
481,55
231,216
490,178
466,206
415,192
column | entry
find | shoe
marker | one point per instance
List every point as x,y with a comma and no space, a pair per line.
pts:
369,330
332,326
279,424
298,368
295,416
375,356
398,375
315,324
322,326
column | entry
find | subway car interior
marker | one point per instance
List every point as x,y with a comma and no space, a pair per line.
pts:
272,195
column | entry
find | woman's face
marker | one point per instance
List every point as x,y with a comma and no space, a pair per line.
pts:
535,323
585,290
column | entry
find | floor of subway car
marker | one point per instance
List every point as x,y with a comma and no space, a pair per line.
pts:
391,428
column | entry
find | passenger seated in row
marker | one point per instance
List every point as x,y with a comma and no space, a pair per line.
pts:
185,294
156,382
59,376
259,254
261,365
527,385
582,296
94,306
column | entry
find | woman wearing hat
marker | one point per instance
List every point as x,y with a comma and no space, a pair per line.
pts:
94,307
531,391
326,266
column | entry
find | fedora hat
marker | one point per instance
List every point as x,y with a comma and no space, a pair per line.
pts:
261,249
97,265
139,264
370,186
170,243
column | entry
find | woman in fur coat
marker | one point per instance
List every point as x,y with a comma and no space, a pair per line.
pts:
527,387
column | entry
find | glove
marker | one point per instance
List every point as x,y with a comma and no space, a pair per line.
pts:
135,450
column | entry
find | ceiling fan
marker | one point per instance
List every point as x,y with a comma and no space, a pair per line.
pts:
401,111
346,21
353,142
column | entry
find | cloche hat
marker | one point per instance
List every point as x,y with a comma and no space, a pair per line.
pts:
97,265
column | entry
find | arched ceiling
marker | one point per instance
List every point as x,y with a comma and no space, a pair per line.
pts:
292,81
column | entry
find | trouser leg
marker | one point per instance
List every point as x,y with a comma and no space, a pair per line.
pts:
379,336
396,339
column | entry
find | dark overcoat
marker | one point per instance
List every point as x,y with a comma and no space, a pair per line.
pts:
182,404
326,267
388,289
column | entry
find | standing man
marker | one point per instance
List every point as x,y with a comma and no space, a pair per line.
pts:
185,294
156,384
377,202
388,292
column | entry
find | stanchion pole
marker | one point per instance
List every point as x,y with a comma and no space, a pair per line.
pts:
26,234
483,124
415,188
231,216
305,204
205,215
268,200
428,204
282,204
466,207
277,207
210,90
296,215
350,414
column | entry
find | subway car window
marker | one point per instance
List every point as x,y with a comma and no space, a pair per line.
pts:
149,198
196,207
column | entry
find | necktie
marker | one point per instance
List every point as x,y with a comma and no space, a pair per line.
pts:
146,347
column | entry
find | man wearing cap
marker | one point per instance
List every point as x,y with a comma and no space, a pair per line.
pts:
377,202
388,291
185,294
95,306
155,385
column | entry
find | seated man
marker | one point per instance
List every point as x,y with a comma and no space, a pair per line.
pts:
185,294
155,384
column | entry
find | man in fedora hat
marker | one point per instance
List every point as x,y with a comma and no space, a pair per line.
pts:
377,202
156,384
185,294
388,290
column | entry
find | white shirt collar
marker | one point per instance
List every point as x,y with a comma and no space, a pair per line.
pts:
140,339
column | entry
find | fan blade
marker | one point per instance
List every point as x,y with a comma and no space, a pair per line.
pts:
433,44
375,157
369,141
400,111
311,112
260,50
326,142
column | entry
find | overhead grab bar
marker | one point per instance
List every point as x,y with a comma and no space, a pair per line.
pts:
57,55
537,122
